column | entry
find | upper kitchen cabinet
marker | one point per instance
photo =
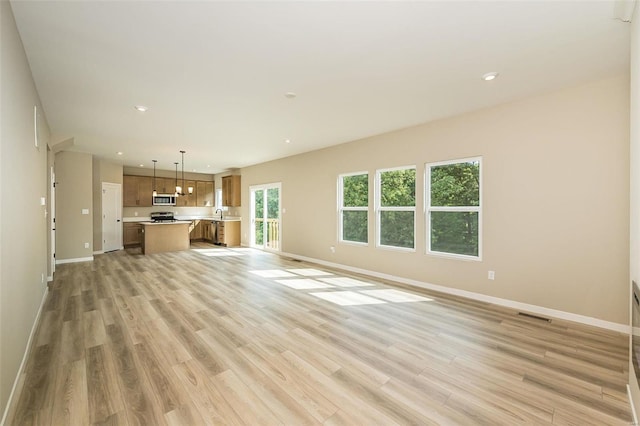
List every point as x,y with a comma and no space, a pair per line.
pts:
165,185
187,200
204,194
137,191
231,191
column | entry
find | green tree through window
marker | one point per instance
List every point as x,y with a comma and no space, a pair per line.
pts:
454,207
354,204
397,207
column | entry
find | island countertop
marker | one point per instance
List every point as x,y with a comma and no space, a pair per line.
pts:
161,237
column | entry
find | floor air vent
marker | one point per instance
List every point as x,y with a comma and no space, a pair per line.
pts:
524,314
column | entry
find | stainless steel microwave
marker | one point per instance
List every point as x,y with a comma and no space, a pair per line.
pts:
164,200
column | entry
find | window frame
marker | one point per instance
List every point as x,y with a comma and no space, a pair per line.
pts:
460,209
378,208
342,208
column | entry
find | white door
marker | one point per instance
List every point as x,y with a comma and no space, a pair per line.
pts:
265,216
52,209
111,216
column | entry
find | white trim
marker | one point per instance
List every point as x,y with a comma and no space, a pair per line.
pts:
519,306
633,408
49,279
77,259
24,357
98,252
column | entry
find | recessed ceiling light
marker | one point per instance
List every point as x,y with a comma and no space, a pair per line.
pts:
141,108
208,165
141,165
287,141
119,152
490,76
290,95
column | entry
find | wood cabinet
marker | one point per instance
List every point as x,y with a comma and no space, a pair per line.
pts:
137,191
195,230
228,233
131,234
204,194
187,200
231,191
165,185
200,230
207,235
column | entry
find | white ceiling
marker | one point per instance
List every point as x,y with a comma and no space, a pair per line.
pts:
214,74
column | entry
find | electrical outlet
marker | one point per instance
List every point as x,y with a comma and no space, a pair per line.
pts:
492,275
86,245
333,249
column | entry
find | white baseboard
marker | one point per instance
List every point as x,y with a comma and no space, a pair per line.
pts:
633,408
539,310
77,259
24,357
98,252
49,279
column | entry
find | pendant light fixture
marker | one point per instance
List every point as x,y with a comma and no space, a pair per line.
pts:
178,189
154,178
189,189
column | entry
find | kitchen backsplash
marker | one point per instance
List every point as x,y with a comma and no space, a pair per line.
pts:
178,211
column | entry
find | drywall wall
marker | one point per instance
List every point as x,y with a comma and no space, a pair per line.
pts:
23,225
555,194
74,193
103,171
634,210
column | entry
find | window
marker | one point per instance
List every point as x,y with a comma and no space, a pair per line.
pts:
353,205
396,207
219,198
454,208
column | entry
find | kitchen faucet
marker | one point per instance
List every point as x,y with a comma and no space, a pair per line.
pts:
219,210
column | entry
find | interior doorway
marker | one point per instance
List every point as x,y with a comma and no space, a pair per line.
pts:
266,223
111,216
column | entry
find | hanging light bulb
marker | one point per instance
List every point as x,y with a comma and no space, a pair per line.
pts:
182,193
154,178
178,188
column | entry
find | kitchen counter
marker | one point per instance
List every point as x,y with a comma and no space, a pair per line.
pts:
165,236
183,218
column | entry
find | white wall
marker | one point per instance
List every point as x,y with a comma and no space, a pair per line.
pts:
23,226
556,199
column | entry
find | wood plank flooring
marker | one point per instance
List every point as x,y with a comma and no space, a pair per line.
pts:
224,336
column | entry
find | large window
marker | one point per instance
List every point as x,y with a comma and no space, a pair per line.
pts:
353,206
396,207
454,208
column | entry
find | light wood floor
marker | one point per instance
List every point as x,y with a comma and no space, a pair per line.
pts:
190,338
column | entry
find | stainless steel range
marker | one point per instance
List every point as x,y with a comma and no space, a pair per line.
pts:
158,217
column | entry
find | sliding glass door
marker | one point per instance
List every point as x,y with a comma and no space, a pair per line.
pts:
265,216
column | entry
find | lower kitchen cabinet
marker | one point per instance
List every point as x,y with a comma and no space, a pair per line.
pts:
131,234
227,233
200,230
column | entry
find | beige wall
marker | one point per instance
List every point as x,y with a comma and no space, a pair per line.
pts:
74,192
23,226
103,171
556,206
634,266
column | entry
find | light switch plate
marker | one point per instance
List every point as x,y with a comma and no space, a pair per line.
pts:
85,211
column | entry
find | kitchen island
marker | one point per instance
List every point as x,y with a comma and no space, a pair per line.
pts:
165,236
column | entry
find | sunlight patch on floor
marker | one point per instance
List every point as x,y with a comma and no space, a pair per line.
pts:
396,296
303,283
309,272
273,273
345,282
347,298
217,252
